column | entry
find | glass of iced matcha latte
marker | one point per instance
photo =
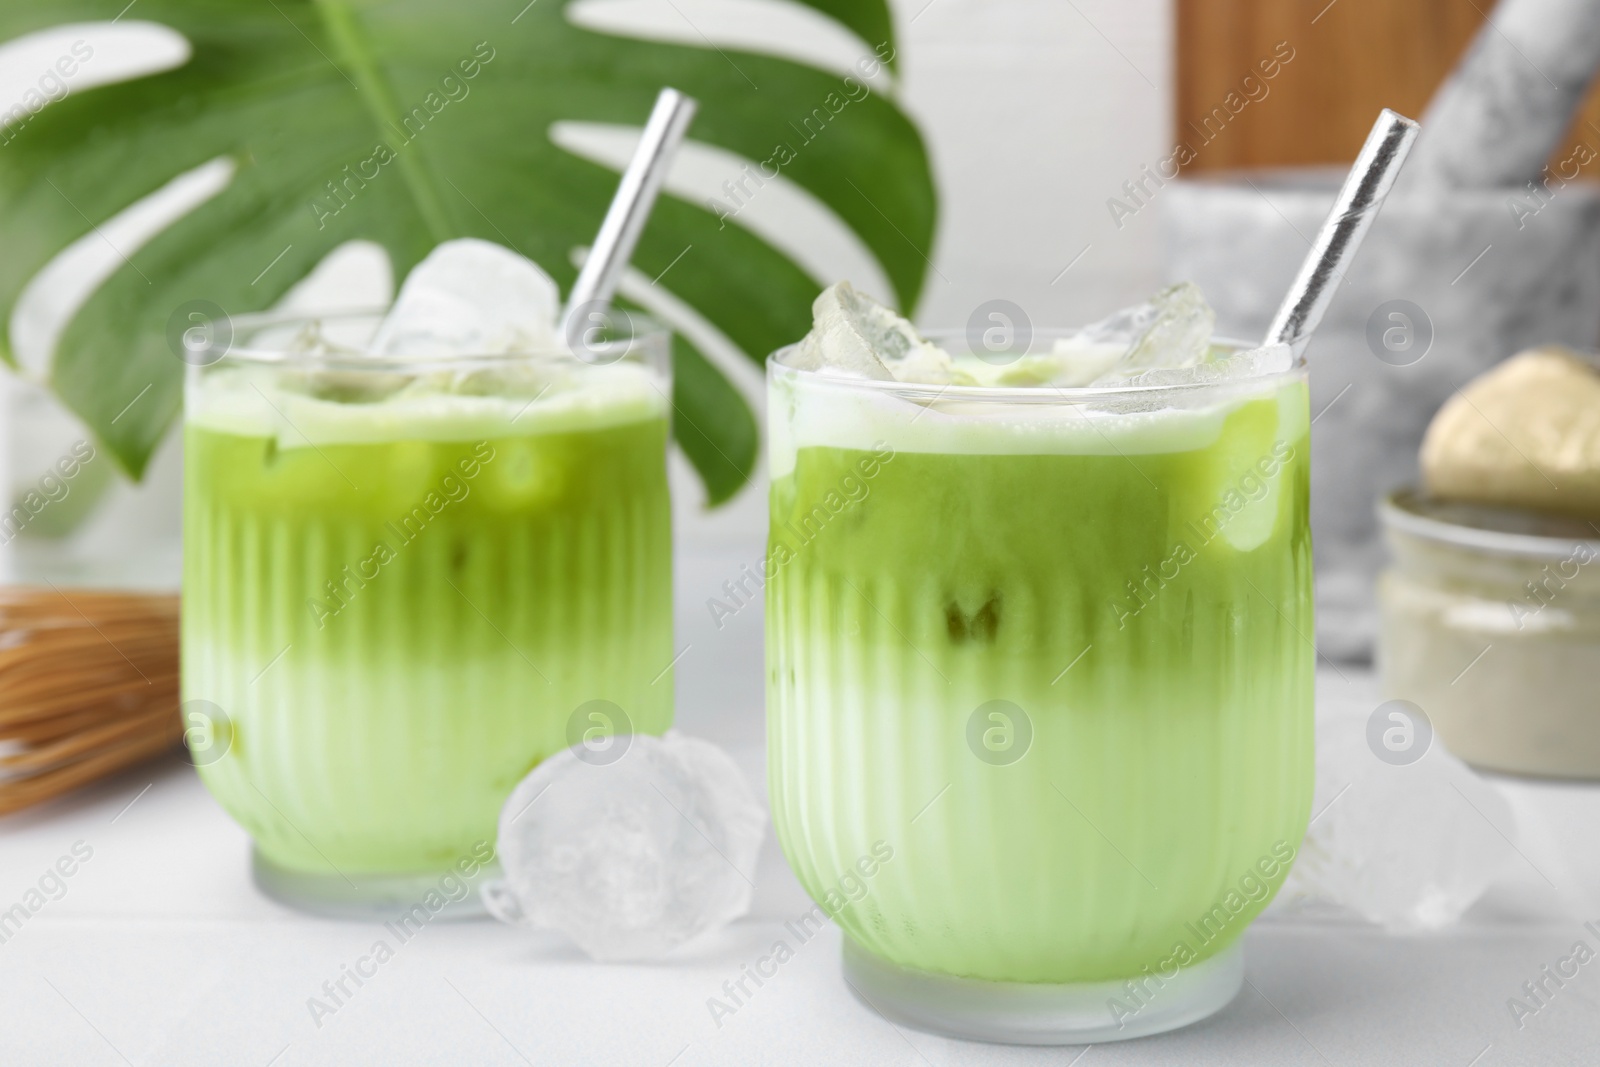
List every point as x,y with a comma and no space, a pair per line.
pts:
1039,668
415,565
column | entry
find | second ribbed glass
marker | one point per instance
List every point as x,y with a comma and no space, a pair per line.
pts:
1039,689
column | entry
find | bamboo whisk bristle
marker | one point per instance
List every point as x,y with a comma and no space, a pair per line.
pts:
88,686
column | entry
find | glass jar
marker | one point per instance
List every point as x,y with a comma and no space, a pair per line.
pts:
1491,625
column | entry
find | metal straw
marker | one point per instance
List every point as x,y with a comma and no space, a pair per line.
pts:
630,208
1357,205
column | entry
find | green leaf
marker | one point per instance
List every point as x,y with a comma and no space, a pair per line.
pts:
407,122
712,425
870,21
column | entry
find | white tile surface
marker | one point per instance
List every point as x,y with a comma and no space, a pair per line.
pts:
160,952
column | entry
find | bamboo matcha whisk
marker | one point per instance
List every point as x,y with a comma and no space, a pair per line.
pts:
88,686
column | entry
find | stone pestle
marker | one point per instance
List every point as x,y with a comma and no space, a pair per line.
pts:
1501,114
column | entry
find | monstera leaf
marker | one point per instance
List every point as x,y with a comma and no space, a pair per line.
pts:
407,122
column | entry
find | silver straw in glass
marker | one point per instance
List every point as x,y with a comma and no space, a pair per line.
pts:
1357,205
630,207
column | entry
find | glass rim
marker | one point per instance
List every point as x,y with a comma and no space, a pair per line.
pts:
1401,511
929,391
645,333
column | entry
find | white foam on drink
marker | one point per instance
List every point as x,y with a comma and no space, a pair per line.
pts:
260,401
810,409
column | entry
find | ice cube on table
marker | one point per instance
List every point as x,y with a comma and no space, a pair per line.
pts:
1407,846
854,335
471,297
632,856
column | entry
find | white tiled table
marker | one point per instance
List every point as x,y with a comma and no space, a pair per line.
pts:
161,952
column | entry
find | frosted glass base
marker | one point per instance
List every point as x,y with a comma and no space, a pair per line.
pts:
371,897
1030,1013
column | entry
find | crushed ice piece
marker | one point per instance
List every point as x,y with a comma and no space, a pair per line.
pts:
529,380
855,335
1180,334
519,380
838,355
1073,361
841,339
1165,340
1268,359
471,297
633,855
344,386
1172,329
1219,366
333,335
355,275
928,364
1409,846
